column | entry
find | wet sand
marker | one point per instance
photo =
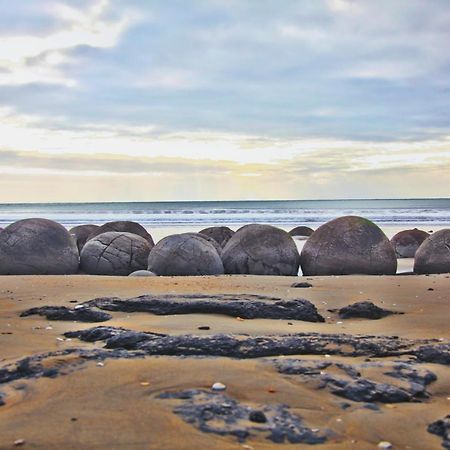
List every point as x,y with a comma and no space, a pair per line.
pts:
114,403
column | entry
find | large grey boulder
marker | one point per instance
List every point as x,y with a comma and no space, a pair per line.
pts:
124,226
220,234
301,232
261,250
185,254
348,245
407,242
114,253
433,256
37,247
81,233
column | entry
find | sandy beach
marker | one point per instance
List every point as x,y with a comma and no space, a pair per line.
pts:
118,402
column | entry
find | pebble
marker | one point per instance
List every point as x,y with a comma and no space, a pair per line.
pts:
19,442
218,387
258,417
385,445
100,364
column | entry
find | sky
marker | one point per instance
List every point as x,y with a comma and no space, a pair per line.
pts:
106,100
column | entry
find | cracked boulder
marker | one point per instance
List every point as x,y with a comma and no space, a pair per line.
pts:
302,232
124,226
115,253
220,234
348,245
37,247
81,234
407,242
261,250
433,256
185,254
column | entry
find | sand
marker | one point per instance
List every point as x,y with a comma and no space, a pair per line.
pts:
116,405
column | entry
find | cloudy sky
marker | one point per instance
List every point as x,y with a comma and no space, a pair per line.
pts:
106,100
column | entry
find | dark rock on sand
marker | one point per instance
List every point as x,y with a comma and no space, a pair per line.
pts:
81,233
352,385
80,313
364,310
115,253
220,234
241,346
441,428
124,226
185,254
223,415
261,250
433,256
348,245
37,247
301,231
407,242
244,306
302,285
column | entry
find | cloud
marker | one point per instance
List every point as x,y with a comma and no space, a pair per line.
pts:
34,58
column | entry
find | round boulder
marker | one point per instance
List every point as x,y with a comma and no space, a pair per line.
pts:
261,250
348,245
124,226
81,234
301,232
142,273
208,239
220,234
433,256
407,242
185,254
37,247
114,253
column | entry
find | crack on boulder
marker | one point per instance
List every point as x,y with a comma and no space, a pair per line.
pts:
220,414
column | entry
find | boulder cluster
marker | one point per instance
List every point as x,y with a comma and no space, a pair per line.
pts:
343,246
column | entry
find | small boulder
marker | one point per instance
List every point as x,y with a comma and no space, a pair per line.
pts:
115,253
124,226
37,247
220,234
348,245
81,234
184,254
433,256
261,250
142,273
407,242
302,232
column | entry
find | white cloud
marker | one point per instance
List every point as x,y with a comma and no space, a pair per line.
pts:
36,58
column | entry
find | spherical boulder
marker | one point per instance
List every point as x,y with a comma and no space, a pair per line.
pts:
142,273
220,234
114,253
433,256
81,233
124,226
37,247
185,254
407,242
301,232
348,245
261,250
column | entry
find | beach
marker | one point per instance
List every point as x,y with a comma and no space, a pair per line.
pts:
116,402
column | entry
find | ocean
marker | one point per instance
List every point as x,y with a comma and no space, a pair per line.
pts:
163,218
